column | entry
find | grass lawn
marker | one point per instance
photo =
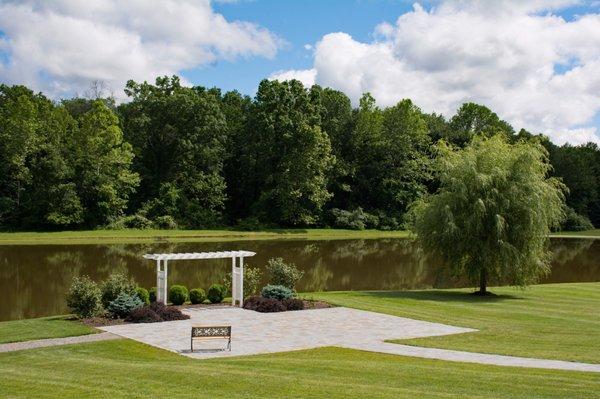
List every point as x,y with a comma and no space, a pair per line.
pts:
140,236
128,369
587,233
554,321
44,327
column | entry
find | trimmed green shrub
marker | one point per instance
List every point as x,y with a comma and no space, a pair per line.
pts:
216,293
252,277
283,273
123,305
116,284
152,294
197,295
143,294
355,220
178,294
276,292
84,297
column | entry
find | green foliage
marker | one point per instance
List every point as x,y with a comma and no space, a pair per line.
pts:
166,222
136,221
474,119
84,297
279,292
252,277
152,294
575,222
178,294
123,305
286,156
197,295
355,220
493,212
143,294
216,293
116,284
285,274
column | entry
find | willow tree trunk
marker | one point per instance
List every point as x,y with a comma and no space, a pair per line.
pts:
482,282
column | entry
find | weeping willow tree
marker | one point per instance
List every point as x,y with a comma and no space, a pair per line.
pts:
492,214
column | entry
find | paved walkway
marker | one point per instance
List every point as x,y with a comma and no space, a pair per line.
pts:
42,343
255,333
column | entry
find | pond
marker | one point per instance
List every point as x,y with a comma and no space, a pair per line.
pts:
35,278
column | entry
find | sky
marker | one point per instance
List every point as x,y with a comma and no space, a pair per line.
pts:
535,63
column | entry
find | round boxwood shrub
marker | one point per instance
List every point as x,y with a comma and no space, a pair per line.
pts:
197,295
216,293
152,294
276,292
143,294
178,294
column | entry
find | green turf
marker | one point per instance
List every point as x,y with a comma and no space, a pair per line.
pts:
139,236
584,234
554,321
45,327
126,369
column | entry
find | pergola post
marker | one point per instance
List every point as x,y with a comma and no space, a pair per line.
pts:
237,281
161,281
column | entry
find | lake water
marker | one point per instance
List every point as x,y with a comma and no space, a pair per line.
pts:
35,278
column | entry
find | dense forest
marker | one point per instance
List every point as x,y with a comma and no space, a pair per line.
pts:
191,157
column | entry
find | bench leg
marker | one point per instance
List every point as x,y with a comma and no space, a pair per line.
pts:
229,344
192,344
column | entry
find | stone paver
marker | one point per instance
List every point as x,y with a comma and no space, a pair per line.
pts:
255,333
41,343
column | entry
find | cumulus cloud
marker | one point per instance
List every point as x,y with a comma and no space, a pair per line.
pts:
531,66
61,46
306,76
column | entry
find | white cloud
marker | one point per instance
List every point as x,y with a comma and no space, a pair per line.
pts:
61,46
306,76
507,55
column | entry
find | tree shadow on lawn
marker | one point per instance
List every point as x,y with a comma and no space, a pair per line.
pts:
443,296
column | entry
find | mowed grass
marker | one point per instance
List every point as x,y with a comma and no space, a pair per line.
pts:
44,327
586,233
554,321
141,236
126,369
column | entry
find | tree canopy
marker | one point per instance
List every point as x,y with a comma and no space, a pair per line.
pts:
195,157
492,214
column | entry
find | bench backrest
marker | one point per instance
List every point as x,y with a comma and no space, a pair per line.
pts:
211,331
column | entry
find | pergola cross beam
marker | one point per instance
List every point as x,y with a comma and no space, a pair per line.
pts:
237,271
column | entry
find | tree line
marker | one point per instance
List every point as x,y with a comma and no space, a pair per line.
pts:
193,157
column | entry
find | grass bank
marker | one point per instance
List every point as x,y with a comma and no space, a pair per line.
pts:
126,369
40,328
554,321
141,236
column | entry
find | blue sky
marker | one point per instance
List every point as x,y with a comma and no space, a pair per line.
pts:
298,23
536,63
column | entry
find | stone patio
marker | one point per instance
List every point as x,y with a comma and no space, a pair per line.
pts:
254,333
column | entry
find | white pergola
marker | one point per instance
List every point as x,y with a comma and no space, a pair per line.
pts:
237,271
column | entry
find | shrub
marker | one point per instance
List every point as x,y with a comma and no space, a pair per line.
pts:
283,274
145,314
252,277
116,284
137,221
293,304
264,305
155,312
84,297
123,305
166,222
197,295
178,294
216,293
575,222
152,294
276,292
143,294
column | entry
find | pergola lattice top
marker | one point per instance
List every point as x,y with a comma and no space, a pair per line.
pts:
200,255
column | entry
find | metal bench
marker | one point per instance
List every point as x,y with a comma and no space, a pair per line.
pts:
206,333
